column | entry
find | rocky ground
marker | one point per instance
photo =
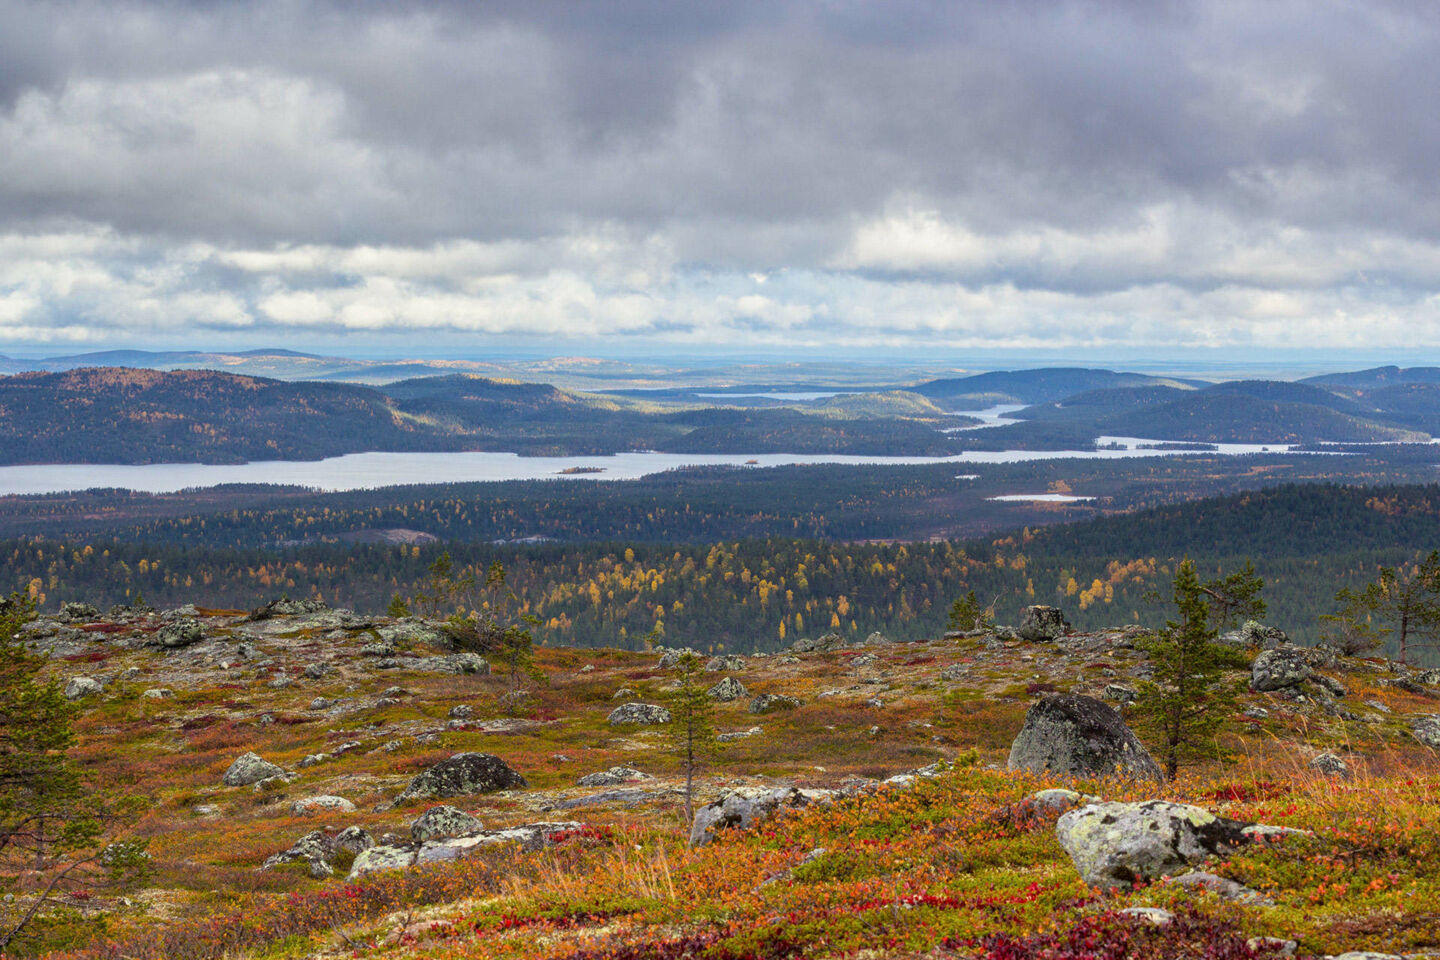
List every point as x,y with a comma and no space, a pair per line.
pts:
324,784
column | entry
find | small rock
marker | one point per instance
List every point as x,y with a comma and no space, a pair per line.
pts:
462,711
638,714
1426,729
1058,800
77,688
1120,694
612,777
771,702
321,804
1330,765
727,663
670,658
317,671
1153,915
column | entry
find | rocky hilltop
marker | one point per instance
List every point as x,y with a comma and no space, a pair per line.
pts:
323,784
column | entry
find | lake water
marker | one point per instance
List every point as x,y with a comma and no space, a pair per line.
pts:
366,470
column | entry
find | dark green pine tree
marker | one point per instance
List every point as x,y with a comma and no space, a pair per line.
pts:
1187,700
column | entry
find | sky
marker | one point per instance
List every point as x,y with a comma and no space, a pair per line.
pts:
1232,179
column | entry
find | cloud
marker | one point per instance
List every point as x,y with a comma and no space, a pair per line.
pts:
782,173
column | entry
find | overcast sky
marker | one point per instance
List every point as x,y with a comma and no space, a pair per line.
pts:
721,176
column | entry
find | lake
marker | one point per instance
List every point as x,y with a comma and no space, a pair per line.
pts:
366,470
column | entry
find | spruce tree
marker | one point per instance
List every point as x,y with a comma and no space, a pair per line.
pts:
1187,699
692,727
51,823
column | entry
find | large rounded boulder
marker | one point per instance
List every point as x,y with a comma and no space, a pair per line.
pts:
1075,736
1120,844
1040,623
1279,668
463,775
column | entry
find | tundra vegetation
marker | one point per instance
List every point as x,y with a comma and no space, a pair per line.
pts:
904,834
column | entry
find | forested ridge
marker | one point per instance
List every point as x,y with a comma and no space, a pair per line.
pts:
758,594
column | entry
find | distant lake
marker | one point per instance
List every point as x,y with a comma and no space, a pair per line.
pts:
366,470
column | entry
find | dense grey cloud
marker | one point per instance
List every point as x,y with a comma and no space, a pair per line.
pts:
972,174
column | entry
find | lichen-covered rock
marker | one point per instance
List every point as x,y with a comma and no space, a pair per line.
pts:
178,633
249,768
1330,765
442,822
75,612
399,856
1075,736
1058,800
638,714
316,849
612,777
462,664
1279,668
821,644
285,607
462,775
1426,729
1120,694
353,840
1040,623
413,630
744,808
770,702
1255,634
670,658
78,688
727,690
729,662
158,693
1120,844
309,806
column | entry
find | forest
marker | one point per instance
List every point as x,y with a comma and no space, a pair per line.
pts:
1306,541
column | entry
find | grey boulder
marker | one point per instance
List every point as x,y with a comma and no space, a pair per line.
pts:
249,768
744,808
1279,668
728,690
612,777
462,775
729,661
442,822
178,633
77,688
1426,729
638,714
821,644
1120,844
310,806
671,658
1040,623
771,702
1075,736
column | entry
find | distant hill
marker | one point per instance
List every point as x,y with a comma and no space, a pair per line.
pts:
127,415
1035,386
1377,377
1097,404
122,415
1220,416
